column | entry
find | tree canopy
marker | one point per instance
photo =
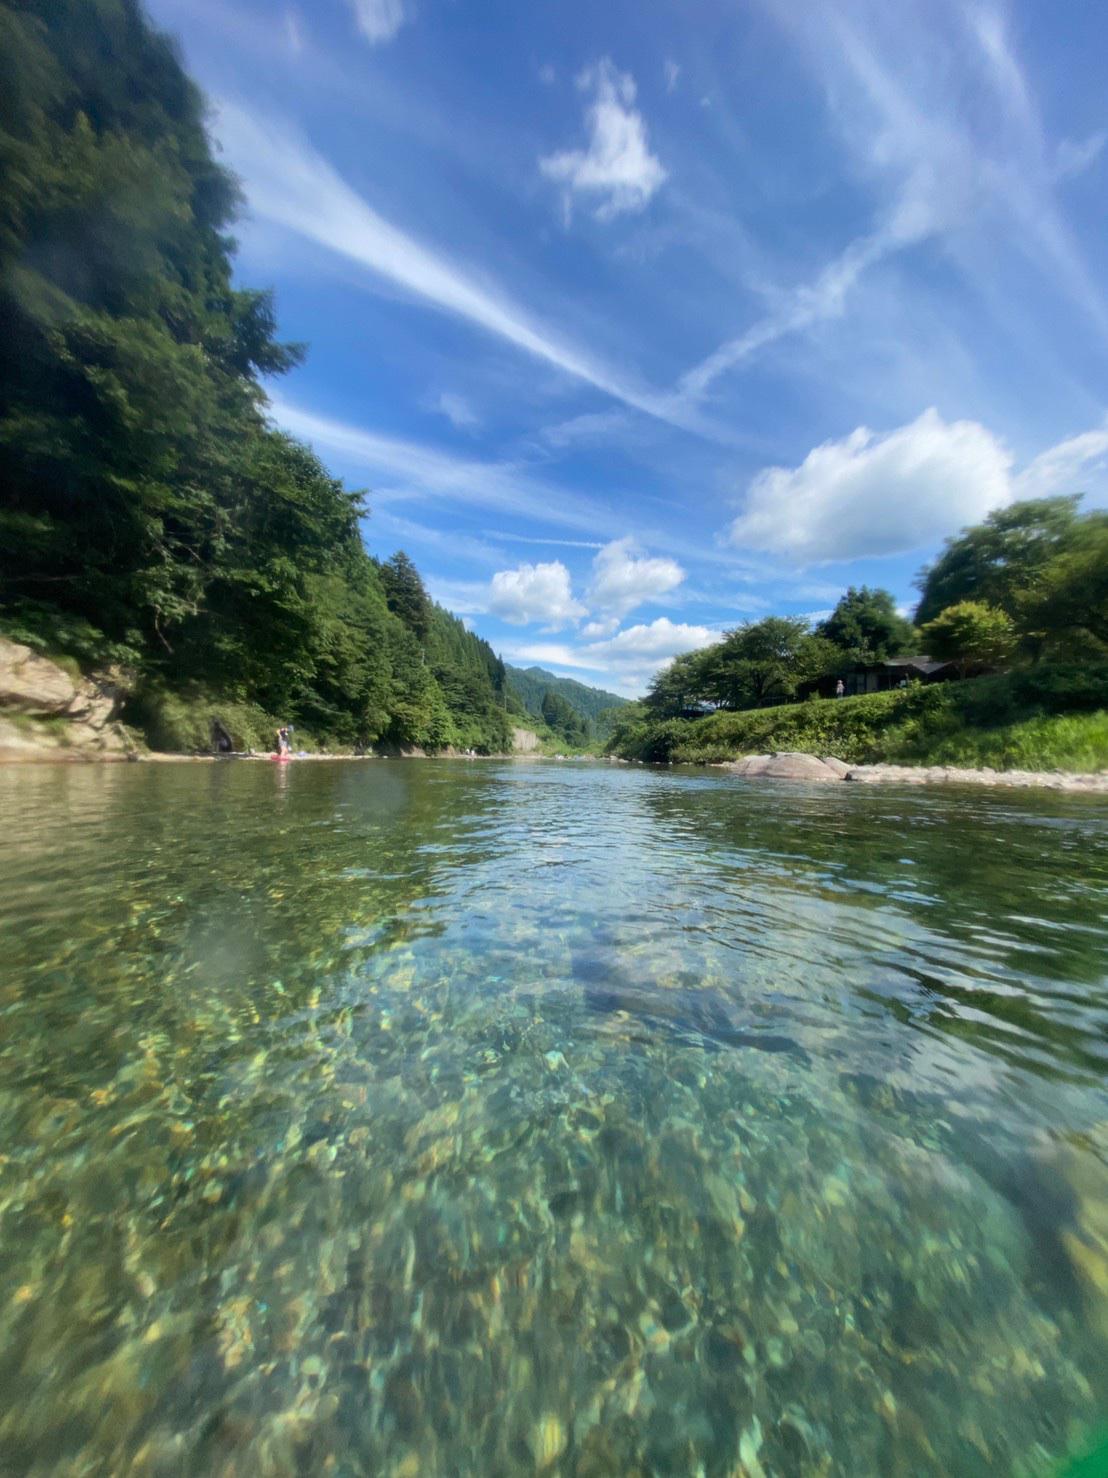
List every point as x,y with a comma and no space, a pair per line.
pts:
972,634
758,663
152,515
1043,562
996,560
867,624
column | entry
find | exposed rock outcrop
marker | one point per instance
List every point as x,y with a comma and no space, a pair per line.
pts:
525,741
49,713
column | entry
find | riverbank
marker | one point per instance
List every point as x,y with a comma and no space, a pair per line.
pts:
788,765
813,769
52,712
50,753
1039,720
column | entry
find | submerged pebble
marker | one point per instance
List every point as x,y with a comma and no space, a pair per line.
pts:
452,1166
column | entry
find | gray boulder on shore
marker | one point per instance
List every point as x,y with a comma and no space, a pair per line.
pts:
787,765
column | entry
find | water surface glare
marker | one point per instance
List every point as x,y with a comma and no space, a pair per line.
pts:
488,1119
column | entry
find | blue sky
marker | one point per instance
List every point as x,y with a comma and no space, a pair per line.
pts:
637,321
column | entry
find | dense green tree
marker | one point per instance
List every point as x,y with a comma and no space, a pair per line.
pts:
562,720
764,662
759,663
406,595
867,626
678,685
150,512
971,634
999,560
596,706
1067,602
128,361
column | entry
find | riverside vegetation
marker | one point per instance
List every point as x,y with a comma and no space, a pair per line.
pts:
1026,591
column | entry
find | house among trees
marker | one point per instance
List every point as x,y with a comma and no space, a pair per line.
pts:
880,676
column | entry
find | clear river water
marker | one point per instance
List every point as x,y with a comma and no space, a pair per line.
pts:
406,1119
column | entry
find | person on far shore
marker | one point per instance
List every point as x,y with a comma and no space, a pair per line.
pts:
284,743
840,689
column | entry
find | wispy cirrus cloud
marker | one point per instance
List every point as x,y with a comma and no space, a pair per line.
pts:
379,20
541,539
293,30
389,529
940,123
289,183
403,469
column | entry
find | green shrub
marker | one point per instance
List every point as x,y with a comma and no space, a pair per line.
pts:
1062,686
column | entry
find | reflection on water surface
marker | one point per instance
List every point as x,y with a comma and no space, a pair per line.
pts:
492,1119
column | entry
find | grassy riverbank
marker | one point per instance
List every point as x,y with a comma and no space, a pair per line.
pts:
1042,719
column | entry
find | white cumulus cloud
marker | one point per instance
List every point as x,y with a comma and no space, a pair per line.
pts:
617,170
623,578
593,630
627,661
379,20
539,592
871,495
654,642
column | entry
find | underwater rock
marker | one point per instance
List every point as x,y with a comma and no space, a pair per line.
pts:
547,1441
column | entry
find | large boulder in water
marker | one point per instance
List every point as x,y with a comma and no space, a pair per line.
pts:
787,765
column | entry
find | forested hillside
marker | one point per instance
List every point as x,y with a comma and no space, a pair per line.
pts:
152,519
533,684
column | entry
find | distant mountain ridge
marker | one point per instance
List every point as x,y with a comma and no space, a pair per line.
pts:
533,683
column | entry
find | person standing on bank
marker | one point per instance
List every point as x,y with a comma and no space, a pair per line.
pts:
840,689
284,744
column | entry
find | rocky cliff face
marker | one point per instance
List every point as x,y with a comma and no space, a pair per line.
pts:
524,741
48,713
